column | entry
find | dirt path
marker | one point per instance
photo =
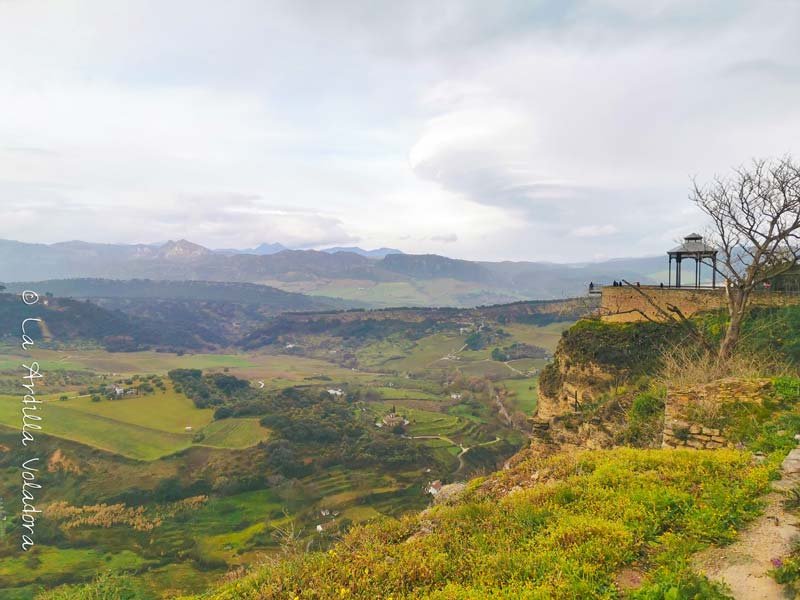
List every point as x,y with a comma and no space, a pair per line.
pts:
745,565
464,449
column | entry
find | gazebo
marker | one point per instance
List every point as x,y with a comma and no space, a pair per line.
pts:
694,248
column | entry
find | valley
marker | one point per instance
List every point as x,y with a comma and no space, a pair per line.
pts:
202,470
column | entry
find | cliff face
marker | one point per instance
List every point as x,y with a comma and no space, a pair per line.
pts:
593,357
567,384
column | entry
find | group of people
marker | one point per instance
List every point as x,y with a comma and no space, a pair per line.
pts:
616,284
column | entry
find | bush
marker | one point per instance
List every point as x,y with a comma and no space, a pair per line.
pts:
591,515
223,412
108,586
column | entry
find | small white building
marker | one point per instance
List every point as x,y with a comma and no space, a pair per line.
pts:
434,488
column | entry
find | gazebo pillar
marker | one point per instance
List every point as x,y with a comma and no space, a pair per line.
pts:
714,271
677,271
697,271
669,271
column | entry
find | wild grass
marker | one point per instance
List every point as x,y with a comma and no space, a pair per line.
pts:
591,515
688,365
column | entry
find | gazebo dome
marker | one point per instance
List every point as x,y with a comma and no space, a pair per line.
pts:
692,245
693,248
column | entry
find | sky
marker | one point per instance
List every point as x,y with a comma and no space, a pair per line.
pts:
507,130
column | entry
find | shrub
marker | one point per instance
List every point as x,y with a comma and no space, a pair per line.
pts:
590,515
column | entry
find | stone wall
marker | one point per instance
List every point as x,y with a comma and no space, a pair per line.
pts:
687,411
627,304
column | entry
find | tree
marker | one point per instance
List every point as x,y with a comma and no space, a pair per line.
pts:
755,214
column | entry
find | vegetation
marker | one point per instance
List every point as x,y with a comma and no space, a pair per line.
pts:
755,214
591,515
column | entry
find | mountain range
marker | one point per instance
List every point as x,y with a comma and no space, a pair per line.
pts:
382,277
266,249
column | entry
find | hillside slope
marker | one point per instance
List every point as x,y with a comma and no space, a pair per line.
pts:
579,525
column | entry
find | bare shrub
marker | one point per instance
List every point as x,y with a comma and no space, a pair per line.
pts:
683,366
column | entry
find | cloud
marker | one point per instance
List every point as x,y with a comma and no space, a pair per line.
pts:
447,238
589,231
517,124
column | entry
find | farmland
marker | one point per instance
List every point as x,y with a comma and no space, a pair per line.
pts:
253,481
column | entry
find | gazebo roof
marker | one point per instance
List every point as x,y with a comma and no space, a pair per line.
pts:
693,244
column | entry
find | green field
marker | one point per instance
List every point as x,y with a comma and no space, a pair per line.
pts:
525,393
143,427
127,439
434,292
121,363
163,411
234,433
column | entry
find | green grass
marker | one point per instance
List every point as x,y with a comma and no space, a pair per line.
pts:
143,427
53,563
234,433
133,441
592,515
125,362
546,336
525,394
164,411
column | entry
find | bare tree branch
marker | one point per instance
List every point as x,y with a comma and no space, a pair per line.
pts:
755,216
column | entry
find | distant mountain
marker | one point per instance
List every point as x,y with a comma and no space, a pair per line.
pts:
260,250
396,279
376,253
433,266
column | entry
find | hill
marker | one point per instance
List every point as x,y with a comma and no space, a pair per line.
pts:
376,278
66,321
268,298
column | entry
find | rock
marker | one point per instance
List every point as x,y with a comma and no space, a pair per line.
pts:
450,493
791,464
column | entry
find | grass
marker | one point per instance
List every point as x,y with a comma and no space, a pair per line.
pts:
546,336
595,514
525,394
234,433
123,363
131,440
143,427
164,411
51,564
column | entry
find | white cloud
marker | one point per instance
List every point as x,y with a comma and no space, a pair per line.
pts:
447,238
519,125
589,231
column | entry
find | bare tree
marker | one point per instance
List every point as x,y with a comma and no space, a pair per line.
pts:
756,222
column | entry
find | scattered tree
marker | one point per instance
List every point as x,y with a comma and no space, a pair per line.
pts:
755,214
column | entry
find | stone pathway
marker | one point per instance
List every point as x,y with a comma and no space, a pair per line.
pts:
745,565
